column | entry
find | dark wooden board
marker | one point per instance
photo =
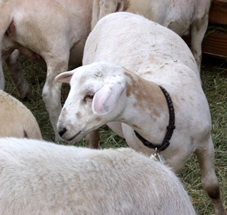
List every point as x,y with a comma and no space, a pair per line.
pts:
218,12
215,44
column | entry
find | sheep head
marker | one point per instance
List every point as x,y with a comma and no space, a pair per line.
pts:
96,97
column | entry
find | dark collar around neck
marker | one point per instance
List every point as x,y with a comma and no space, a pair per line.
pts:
170,127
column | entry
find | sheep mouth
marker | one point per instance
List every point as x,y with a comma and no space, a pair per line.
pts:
73,137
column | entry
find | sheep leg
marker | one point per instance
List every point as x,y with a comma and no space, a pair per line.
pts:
209,180
198,31
93,139
17,76
52,92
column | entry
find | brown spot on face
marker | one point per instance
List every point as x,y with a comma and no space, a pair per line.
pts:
78,115
98,118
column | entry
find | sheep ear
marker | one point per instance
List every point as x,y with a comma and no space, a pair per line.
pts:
106,98
64,77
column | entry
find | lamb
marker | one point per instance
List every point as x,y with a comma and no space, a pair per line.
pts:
47,30
16,119
183,17
130,66
39,177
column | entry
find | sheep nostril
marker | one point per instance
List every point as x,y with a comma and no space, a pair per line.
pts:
62,131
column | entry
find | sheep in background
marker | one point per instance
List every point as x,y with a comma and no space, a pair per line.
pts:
181,16
16,119
30,27
48,30
124,91
38,177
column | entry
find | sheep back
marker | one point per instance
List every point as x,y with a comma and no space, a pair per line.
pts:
38,177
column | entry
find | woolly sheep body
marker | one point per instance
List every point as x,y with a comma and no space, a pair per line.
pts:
182,16
38,177
16,119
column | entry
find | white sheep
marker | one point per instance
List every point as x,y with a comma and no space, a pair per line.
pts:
30,27
39,177
16,119
49,30
124,91
182,16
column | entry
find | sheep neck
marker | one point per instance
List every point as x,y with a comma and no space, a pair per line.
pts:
170,127
146,110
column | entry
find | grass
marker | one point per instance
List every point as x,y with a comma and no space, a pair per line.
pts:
214,79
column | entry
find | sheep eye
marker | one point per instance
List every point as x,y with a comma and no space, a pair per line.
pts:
89,96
